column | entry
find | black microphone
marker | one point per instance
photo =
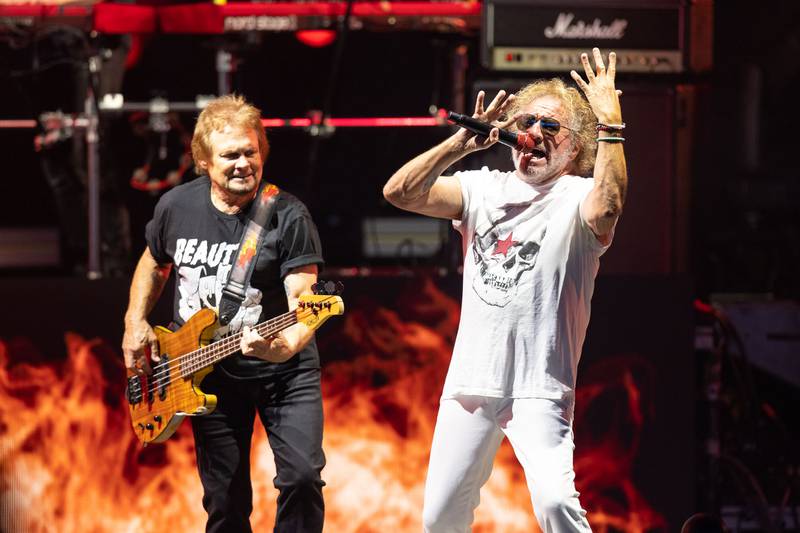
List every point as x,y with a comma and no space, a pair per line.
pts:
519,141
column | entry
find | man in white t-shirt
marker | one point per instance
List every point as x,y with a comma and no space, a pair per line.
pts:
532,240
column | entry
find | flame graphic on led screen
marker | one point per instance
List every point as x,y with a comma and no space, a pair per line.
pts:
70,462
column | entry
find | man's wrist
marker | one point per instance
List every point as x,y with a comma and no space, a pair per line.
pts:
456,144
610,132
132,320
610,120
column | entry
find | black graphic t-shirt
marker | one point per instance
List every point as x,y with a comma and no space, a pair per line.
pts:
201,243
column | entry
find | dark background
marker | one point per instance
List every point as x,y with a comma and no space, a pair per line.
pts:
725,224
741,233
741,236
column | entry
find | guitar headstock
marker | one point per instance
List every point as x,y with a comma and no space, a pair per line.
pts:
331,288
314,309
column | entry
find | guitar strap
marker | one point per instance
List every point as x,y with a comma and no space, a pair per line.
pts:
234,292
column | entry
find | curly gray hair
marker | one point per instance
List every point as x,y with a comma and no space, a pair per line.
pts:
581,118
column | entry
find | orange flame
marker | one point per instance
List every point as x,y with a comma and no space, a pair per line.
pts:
248,250
70,462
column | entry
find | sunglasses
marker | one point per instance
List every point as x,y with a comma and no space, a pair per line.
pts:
549,125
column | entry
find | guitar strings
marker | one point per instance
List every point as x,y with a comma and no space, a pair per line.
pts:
262,329
189,363
185,393
227,344
222,350
220,345
198,358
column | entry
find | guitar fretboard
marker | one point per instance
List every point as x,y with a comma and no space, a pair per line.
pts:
208,355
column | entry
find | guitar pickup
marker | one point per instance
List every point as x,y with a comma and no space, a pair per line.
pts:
161,377
134,390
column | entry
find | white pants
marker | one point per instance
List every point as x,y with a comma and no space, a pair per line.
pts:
468,433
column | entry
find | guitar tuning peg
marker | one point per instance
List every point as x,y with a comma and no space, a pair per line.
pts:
327,288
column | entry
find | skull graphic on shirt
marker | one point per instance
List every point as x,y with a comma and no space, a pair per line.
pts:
200,287
500,258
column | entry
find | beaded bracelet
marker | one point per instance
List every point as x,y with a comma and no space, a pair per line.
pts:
610,127
611,139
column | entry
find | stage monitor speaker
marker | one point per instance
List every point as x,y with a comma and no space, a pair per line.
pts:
658,36
652,233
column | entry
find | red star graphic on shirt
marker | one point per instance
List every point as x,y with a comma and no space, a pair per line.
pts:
503,245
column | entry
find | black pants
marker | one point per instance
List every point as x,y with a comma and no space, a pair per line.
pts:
290,407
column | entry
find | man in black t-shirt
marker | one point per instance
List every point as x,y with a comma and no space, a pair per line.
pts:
195,232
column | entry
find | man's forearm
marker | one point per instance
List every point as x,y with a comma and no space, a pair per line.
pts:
611,181
413,181
297,283
148,282
297,337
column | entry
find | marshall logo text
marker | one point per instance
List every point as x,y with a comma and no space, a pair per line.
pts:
564,28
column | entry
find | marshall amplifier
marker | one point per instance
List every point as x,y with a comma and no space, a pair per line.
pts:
666,36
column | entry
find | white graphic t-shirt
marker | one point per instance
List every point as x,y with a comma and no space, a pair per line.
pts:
529,267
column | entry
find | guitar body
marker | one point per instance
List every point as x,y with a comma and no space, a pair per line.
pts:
173,397
159,402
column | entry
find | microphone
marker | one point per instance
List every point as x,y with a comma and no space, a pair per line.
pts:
519,141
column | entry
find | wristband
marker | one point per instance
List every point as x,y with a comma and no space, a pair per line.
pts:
610,127
611,139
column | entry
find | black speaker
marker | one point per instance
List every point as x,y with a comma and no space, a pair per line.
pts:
658,36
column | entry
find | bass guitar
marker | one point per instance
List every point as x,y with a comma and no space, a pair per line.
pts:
160,401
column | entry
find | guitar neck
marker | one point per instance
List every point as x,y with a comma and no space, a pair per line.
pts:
217,351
